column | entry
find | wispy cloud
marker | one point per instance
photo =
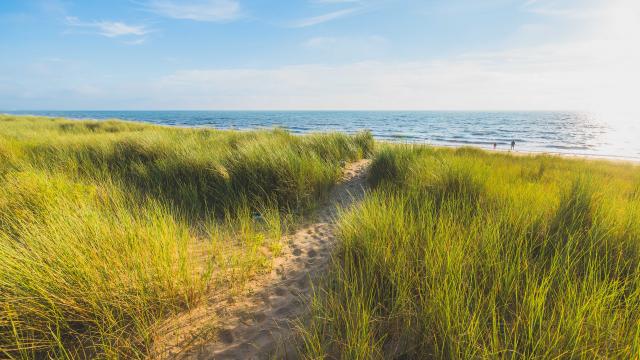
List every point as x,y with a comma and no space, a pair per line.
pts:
559,76
109,28
315,20
198,10
583,9
555,76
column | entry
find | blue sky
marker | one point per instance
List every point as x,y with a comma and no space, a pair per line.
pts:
317,54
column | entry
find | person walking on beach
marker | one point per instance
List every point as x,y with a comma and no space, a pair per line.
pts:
513,144
494,146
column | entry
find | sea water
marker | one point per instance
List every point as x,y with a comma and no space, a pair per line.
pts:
545,132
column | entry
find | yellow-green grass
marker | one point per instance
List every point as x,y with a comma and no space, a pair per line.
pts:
463,254
107,227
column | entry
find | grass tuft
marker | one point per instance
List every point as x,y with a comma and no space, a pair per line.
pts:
466,254
108,227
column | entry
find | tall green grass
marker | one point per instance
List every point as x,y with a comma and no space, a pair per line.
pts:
464,254
107,227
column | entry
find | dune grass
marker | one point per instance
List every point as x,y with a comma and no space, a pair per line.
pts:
461,254
107,227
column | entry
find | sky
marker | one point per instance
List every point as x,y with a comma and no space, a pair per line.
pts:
320,55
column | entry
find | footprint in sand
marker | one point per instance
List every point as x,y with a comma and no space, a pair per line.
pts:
283,311
281,291
226,336
303,282
259,317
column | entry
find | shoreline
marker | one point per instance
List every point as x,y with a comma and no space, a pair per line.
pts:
611,158
603,157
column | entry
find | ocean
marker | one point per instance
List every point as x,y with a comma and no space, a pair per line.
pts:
544,132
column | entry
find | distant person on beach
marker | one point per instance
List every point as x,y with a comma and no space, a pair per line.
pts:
494,146
513,144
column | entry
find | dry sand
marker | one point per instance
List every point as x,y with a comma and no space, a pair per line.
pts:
258,324
517,152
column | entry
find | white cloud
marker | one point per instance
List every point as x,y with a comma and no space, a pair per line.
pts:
597,72
198,10
110,28
549,77
567,8
113,29
569,76
315,20
513,80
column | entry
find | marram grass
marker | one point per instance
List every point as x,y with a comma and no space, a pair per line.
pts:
107,227
462,254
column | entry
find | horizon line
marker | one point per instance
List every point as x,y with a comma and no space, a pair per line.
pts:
294,110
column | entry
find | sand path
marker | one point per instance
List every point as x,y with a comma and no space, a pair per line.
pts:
258,323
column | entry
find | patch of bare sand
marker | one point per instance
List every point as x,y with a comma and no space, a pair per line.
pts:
257,324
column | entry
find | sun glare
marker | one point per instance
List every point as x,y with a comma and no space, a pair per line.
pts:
615,45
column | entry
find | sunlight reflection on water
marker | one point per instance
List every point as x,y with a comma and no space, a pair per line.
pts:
555,132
